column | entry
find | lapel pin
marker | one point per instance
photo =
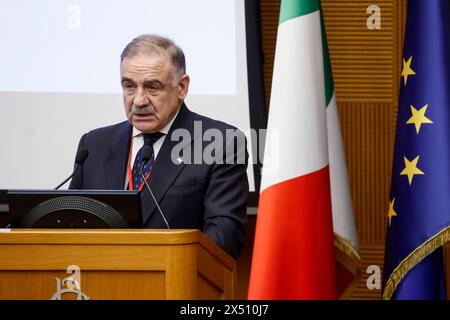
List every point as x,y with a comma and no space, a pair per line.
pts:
180,161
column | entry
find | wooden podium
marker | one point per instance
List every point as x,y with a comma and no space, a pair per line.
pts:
113,264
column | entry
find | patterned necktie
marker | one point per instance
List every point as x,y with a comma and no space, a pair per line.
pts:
149,140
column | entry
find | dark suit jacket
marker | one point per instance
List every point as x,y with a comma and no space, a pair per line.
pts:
210,197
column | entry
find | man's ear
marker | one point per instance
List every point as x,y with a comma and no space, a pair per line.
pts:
183,86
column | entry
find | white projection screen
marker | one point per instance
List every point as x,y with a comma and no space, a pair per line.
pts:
59,74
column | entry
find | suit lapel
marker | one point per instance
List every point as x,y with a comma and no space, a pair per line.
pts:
116,163
165,171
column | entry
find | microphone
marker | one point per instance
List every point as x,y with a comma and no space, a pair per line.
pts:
147,153
81,156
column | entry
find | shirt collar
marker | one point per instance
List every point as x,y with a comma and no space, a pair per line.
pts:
164,130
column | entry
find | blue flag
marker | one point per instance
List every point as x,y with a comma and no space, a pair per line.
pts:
419,204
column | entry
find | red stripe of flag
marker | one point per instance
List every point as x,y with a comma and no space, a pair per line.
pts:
293,256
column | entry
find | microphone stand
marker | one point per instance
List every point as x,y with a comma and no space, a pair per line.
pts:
153,196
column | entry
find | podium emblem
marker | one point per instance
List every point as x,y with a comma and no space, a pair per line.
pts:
70,284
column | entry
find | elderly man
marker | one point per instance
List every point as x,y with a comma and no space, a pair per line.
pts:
206,195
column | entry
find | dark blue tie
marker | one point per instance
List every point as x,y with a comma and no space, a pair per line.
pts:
149,140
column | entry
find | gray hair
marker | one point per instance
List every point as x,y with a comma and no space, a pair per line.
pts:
150,44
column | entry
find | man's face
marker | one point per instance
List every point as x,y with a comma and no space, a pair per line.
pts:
152,91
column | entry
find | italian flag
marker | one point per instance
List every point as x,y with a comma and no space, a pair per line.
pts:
305,242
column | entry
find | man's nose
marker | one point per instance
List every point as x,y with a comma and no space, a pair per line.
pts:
140,99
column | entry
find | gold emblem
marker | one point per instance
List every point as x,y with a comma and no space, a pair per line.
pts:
70,284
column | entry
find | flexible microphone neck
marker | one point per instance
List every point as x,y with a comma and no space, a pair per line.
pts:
81,156
147,153
69,177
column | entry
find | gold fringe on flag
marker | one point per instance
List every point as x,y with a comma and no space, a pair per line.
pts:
413,259
348,257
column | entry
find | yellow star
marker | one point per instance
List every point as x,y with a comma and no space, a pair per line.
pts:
391,212
411,169
407,71
418,117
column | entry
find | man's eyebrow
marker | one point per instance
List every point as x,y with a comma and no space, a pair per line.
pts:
153,81
125,79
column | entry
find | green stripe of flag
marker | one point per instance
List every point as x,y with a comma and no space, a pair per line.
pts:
329,85
291,9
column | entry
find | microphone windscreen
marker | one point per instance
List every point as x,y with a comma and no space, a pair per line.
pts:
147,153
81,156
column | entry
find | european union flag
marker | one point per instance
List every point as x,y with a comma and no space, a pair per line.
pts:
419,204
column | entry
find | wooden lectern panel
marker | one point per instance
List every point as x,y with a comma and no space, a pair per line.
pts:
113,264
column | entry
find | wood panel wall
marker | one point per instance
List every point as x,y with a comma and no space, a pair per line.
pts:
366,68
